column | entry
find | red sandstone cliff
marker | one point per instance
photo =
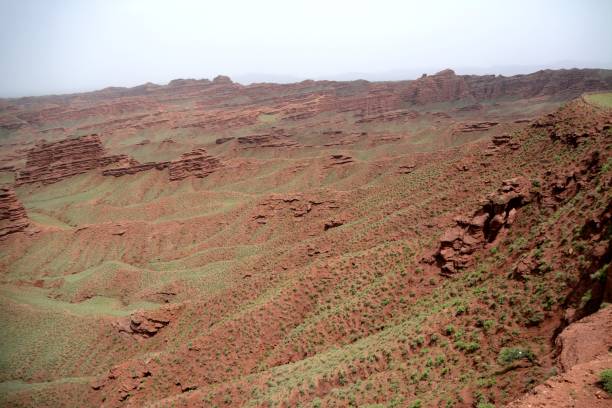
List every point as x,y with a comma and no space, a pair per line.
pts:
196,163
447,86
13,217
51,162
441,87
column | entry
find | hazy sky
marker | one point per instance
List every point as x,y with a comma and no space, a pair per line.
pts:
59,46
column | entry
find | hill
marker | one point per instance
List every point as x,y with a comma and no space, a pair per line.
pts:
437,242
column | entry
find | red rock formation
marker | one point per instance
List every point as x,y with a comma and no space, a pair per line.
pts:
10,122
134,167
406,168
499,142
339,160
375,102
341,142
117,158
499,210
446,86
222,79
275,138
222,140
13,217
576,121
389,116
223,119
475,127
79,111
296,206
584,353
146,323
304,106
469,108
441,87
196,163
563,83
333,223
52,162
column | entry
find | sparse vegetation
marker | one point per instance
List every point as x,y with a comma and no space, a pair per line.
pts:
510,355
605,378
273,307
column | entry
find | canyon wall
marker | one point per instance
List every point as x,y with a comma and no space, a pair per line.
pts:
13,217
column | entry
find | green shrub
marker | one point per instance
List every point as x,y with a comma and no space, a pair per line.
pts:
509,355
415,404
605,378
600,274
468,347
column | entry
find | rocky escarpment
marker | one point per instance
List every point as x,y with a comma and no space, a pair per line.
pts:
339,160
446,86
389,116
563,83
497,211
380,99
51,162
133,167
295,206
13,217
571,125
575,122
144,324
584,353
275,138
476,126
10,122
197,163
442,87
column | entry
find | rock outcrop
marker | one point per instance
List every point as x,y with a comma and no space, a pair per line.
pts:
146,323
584,353
575,122
275,138
221,119
13,217
389,116
562,83
222,79
339,160
117,158
446,86
197,163
52,162
585,339
296,206
133,167
223,140
442,87
476,127
497,211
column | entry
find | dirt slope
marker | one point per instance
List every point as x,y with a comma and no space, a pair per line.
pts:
440,242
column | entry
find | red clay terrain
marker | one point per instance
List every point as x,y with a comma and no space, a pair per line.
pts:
442,242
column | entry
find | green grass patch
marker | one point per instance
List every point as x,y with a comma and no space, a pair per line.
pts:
603,100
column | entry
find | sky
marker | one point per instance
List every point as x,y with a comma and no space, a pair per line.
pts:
62,46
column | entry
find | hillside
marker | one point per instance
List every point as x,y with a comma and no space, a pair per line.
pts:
437,242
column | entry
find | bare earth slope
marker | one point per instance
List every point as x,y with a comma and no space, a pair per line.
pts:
418,243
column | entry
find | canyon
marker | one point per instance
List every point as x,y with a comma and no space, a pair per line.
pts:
442,241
